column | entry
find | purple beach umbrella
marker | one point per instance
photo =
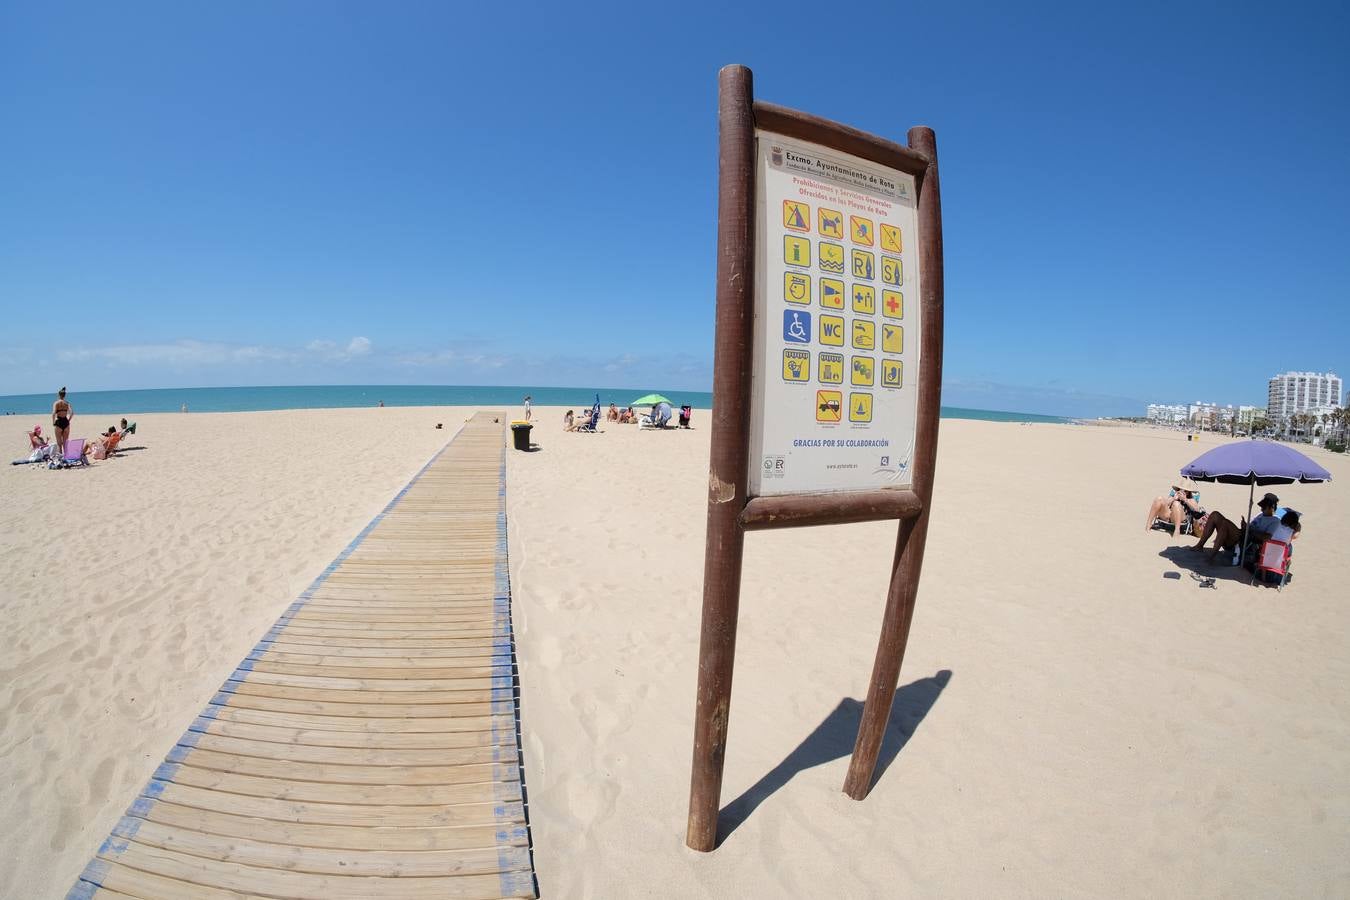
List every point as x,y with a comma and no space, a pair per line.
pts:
1253,463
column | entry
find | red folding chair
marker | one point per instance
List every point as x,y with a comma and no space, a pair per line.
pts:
1273,559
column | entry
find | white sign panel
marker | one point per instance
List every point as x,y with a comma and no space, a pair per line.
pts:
835,372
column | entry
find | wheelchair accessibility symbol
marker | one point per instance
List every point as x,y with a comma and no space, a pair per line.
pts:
796,326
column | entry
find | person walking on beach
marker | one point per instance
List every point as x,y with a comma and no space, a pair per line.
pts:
527,407
62,414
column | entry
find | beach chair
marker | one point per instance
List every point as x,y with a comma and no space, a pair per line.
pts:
1187,523
1272,564
593,420
74,456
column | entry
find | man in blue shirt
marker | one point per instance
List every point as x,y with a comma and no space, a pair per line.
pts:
1269,519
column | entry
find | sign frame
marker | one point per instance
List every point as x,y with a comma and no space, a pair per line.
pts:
731,511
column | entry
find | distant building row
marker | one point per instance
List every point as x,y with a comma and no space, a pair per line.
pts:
1316,393
1210,416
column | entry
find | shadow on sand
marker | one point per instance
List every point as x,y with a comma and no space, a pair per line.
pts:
833,738
1197,563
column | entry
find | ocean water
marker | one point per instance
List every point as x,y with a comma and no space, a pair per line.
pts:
249,399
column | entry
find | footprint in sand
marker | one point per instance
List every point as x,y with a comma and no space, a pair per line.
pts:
591,799
100,782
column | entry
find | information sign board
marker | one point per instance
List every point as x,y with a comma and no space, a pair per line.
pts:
827,379
833,381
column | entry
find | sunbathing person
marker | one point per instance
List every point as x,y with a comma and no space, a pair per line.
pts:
35,439
1227,536
1174,507
569,421
105,445
613,414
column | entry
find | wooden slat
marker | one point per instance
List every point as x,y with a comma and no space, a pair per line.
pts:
358,740
328,861
402,673
354,814
269,882
336,837
336,682
406,656
363,710
347,773
366,640
290,692
437,756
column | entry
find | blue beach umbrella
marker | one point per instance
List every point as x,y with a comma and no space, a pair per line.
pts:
1253,463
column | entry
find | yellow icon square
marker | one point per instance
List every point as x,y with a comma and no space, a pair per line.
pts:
863,371
832,330
892,271
859,407
829,406
796,365
796,251
864,299
796,216
831,223
830,368
796,287
864,264
890,238
893,304
891,370
864,334
831,258
861,229
831,293
892,338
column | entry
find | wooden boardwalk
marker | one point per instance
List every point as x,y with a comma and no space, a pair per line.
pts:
368,746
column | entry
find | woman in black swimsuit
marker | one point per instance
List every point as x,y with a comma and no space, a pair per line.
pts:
62,414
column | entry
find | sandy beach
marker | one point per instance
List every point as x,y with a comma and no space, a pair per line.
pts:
1077,716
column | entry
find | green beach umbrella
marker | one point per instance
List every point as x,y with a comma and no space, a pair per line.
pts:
649,400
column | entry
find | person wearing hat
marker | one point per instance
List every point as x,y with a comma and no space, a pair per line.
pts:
1269,519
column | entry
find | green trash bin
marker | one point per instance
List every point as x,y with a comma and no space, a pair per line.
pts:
520,435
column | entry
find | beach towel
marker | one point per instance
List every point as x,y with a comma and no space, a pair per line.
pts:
37,456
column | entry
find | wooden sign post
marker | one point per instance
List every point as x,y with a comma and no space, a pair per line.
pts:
826,382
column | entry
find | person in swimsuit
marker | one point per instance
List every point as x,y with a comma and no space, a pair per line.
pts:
1176,506
62,414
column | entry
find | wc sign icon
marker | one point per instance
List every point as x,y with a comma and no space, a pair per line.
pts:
796,326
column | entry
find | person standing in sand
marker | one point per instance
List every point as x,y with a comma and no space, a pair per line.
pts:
62,415
527,407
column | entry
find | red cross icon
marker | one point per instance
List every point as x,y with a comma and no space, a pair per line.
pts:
892,304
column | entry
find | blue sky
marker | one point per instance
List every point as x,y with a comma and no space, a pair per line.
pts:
1140,202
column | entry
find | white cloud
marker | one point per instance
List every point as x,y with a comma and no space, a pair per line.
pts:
625,361
189,353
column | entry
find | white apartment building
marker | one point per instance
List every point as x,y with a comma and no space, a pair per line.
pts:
1167,413
1299,392
1246,415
